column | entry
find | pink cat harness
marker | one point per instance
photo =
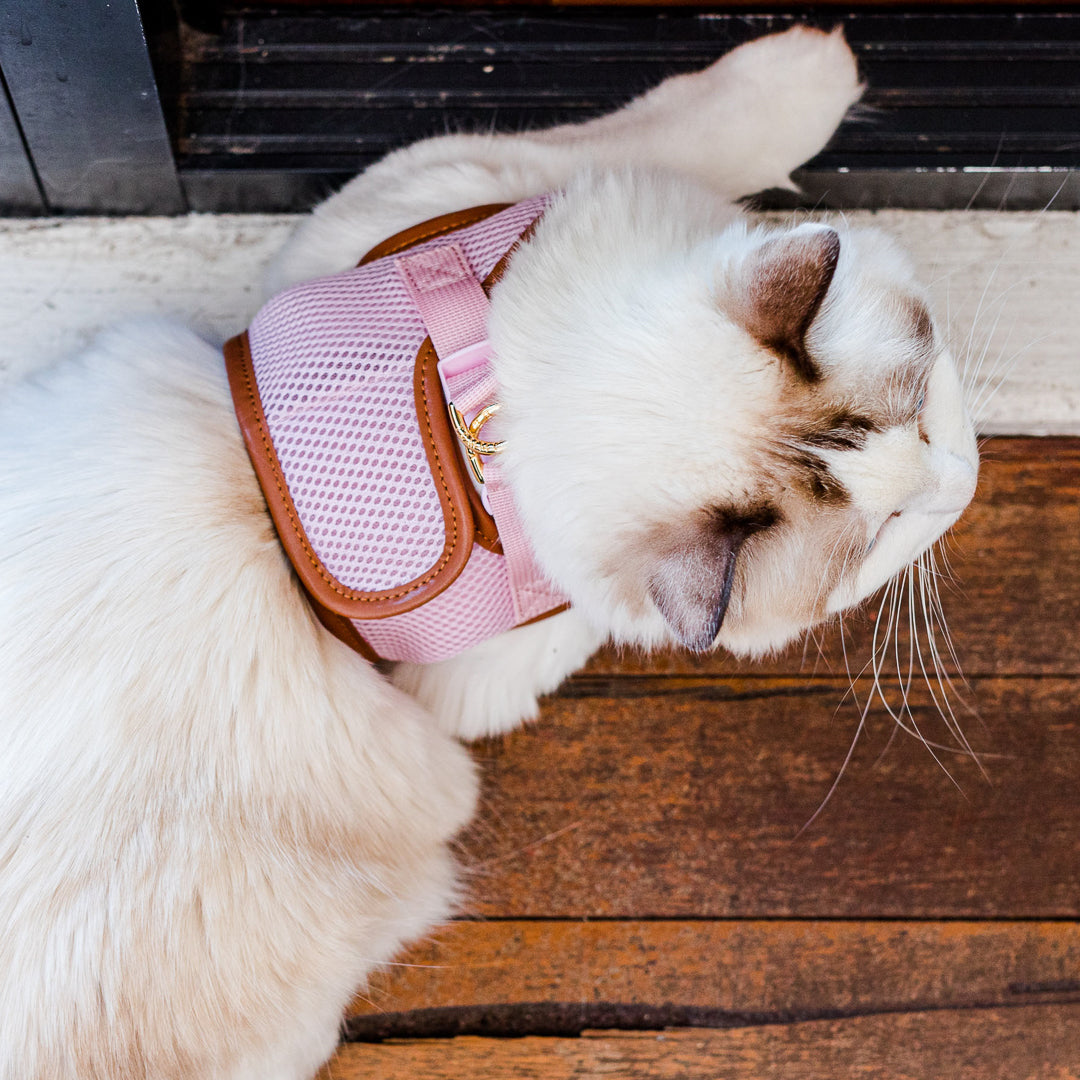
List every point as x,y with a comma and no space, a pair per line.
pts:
397,522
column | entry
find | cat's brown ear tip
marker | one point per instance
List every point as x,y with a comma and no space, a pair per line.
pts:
692,580
785,282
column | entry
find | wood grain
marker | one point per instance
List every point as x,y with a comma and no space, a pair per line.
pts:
1013,606
665,798
1012,276
1032,1043
794,968
689,801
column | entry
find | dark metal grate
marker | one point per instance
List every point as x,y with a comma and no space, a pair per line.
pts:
965,106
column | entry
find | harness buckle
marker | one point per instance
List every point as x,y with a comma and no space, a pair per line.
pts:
469,434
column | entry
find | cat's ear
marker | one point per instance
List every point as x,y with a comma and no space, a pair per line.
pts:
782,285
691,579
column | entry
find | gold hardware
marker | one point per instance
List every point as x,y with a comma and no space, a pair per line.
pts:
469,436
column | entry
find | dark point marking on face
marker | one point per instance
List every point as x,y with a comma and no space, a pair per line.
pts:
820,481
921,326
744,521
691,580
840,431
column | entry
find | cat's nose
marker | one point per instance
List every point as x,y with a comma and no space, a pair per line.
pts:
951,487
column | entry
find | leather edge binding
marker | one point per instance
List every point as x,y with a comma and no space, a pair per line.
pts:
326,590
440,444
344,630
428,230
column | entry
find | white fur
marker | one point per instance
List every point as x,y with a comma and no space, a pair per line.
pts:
673,408
214,818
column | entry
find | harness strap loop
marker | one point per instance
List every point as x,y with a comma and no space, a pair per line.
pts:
454,309
448,296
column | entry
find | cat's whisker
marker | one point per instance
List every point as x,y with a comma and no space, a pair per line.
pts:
812,635
920,598
892,629
913,627
905,680
936,616
877,655
917,735
982,375
946,574
371,1002
946,685
936,608
547,838
847,666
966,351
898,716
1000,374
898,591
840,772
972,364
851,690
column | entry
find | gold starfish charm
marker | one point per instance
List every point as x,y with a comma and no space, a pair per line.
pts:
469,436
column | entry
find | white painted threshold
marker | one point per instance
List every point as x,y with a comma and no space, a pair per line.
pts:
1006,284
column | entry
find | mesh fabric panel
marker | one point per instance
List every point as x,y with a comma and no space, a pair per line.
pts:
476,606
333,360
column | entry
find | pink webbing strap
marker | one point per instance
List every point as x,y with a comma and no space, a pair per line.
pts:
532,593
448,296
454,308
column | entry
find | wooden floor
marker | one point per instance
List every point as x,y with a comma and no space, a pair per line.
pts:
647,898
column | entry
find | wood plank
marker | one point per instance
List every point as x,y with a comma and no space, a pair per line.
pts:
64,281
797,968
1033,1043
687,799
1011,275
1016,560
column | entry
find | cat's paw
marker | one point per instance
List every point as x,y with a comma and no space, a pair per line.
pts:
496,685
756,114
804,82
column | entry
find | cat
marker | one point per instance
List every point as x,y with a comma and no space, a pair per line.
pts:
215,818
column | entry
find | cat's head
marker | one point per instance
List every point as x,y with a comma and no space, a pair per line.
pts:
719,433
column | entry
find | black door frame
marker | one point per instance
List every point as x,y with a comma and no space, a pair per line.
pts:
82,129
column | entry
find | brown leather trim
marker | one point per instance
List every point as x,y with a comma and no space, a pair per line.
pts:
443,445
546,615
343,630
442,448
318,581
428,230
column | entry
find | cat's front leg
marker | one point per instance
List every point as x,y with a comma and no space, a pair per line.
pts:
496,685
738,126
744,123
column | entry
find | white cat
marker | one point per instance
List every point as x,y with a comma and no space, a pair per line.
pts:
215,818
